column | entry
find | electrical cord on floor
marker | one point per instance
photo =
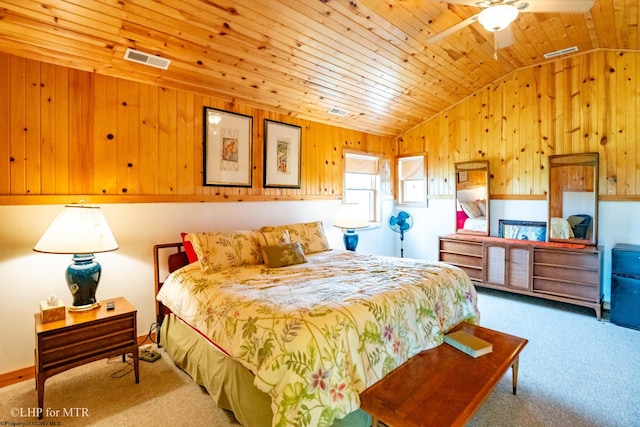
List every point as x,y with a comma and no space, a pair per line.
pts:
147,352
125,370
128,367
154,326
127,360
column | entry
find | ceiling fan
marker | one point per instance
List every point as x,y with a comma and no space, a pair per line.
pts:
496,15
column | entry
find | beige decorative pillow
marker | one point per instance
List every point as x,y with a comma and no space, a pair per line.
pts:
270,238
284,254
222,249
482,205
309,234
471,209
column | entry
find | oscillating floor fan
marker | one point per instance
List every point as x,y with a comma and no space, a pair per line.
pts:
401,222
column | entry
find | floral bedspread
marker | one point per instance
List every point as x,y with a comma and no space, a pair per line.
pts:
317,334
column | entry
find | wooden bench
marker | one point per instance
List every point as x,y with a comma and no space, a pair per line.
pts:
443,386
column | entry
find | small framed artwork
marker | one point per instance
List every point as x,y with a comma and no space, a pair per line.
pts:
522,230
463,176
282,154
228,148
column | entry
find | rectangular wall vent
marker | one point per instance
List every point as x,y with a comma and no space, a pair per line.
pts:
338,111
561,52
147,59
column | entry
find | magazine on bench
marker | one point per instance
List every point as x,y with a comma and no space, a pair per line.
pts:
468,343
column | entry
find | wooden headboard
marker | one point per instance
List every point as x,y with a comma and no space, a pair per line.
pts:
175,260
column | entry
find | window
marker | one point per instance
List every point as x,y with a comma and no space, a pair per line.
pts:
412,179
362,183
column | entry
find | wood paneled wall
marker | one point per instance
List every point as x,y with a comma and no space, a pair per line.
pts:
65,132
583,103
69,132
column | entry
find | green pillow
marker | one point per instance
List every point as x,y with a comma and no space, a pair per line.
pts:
283,255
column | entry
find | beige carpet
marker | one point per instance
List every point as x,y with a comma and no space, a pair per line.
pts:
106,391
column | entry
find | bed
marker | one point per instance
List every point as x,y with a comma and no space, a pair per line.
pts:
471,213
477,224
295,344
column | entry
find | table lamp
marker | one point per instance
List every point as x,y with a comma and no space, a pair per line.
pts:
80,230
350,217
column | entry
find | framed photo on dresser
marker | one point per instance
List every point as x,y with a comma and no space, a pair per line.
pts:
522,230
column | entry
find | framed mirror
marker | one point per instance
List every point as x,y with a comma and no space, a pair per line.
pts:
573,198
472,197
412,180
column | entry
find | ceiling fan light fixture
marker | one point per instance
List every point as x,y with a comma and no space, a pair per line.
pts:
497,18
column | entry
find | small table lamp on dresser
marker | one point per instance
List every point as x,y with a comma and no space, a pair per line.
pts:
350,217
80,230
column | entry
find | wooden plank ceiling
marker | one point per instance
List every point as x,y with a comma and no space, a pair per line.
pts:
303,57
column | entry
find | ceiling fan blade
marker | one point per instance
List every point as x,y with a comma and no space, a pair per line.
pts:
504,38
555,6
460,25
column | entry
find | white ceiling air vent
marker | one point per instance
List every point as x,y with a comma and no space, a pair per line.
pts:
561,52
147,59
338,111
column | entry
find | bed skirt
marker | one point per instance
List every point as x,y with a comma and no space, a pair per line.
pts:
228,382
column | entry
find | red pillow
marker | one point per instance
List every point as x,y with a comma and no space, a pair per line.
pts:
188,248
461,218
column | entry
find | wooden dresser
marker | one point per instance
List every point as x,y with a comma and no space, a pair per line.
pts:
559,272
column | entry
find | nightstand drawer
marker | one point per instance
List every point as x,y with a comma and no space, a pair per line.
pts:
86,333
82,349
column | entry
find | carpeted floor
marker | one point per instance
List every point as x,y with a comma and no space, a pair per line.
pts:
575,371
107,390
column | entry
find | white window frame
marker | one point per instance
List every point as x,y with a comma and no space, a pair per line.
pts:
374,192
416,178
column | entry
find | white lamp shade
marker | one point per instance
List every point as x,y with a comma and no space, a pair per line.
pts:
497,18
350,216
78,229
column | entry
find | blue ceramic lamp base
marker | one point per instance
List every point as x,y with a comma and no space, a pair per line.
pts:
350,240
82,278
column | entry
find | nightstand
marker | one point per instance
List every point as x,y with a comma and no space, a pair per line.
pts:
84,337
